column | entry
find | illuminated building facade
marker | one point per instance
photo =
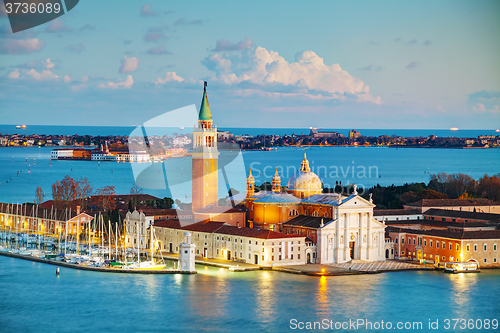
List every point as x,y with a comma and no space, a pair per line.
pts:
339,228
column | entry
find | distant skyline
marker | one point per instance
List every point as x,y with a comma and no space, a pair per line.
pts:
280,64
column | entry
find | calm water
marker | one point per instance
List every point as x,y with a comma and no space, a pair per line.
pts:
126,130
371,166
34,299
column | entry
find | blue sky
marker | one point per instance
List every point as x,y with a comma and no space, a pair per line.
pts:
331,64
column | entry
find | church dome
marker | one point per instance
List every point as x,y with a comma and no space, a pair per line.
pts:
304,183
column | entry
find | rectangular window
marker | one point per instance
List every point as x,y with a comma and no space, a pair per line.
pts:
298,256
291,256
475,247
249,256
494,247
262,258
425,242
272,258
280,257
444,245
413,241
431,242
437,244
450,246
485,247
272,250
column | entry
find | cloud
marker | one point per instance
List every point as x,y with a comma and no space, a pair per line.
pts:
479,107
76,48
84,27
398,39
428,42
485,101
225,45
170,76
370,68
147,11
20,46
413,64
257,70
127,41
129,65
67,78
127,84
413,42
159,50
48,64
183,21
57,26
44,75
155,34
14,74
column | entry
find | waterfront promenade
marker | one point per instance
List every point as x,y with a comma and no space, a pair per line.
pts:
349,268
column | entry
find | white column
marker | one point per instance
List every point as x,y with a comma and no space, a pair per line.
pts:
347,218
337,250
369,236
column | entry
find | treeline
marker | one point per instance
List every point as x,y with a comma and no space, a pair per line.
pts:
440,186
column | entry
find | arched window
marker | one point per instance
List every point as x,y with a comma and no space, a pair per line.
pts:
315,214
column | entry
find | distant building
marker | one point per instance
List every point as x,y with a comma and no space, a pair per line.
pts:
221,241
470,205
316,133
396,214
354,134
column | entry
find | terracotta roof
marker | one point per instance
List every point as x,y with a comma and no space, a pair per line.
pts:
462,214
204,226
218,210
443,224
173,224
453,202
33,210
254,233
163,212
223,228
453,234
390,212
307,221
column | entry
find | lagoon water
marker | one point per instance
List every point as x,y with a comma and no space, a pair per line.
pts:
34,299
366,166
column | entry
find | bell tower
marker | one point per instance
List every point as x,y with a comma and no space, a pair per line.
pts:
276,182
205,158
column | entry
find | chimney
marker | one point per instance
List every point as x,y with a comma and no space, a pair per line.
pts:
77,210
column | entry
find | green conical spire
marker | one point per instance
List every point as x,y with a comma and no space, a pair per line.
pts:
205,113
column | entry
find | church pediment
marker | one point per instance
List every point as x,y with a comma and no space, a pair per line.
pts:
355,201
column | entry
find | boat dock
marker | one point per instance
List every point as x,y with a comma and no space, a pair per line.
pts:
95,269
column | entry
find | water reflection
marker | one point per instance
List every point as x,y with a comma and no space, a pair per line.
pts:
265,297
208,292
462,284
322,304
